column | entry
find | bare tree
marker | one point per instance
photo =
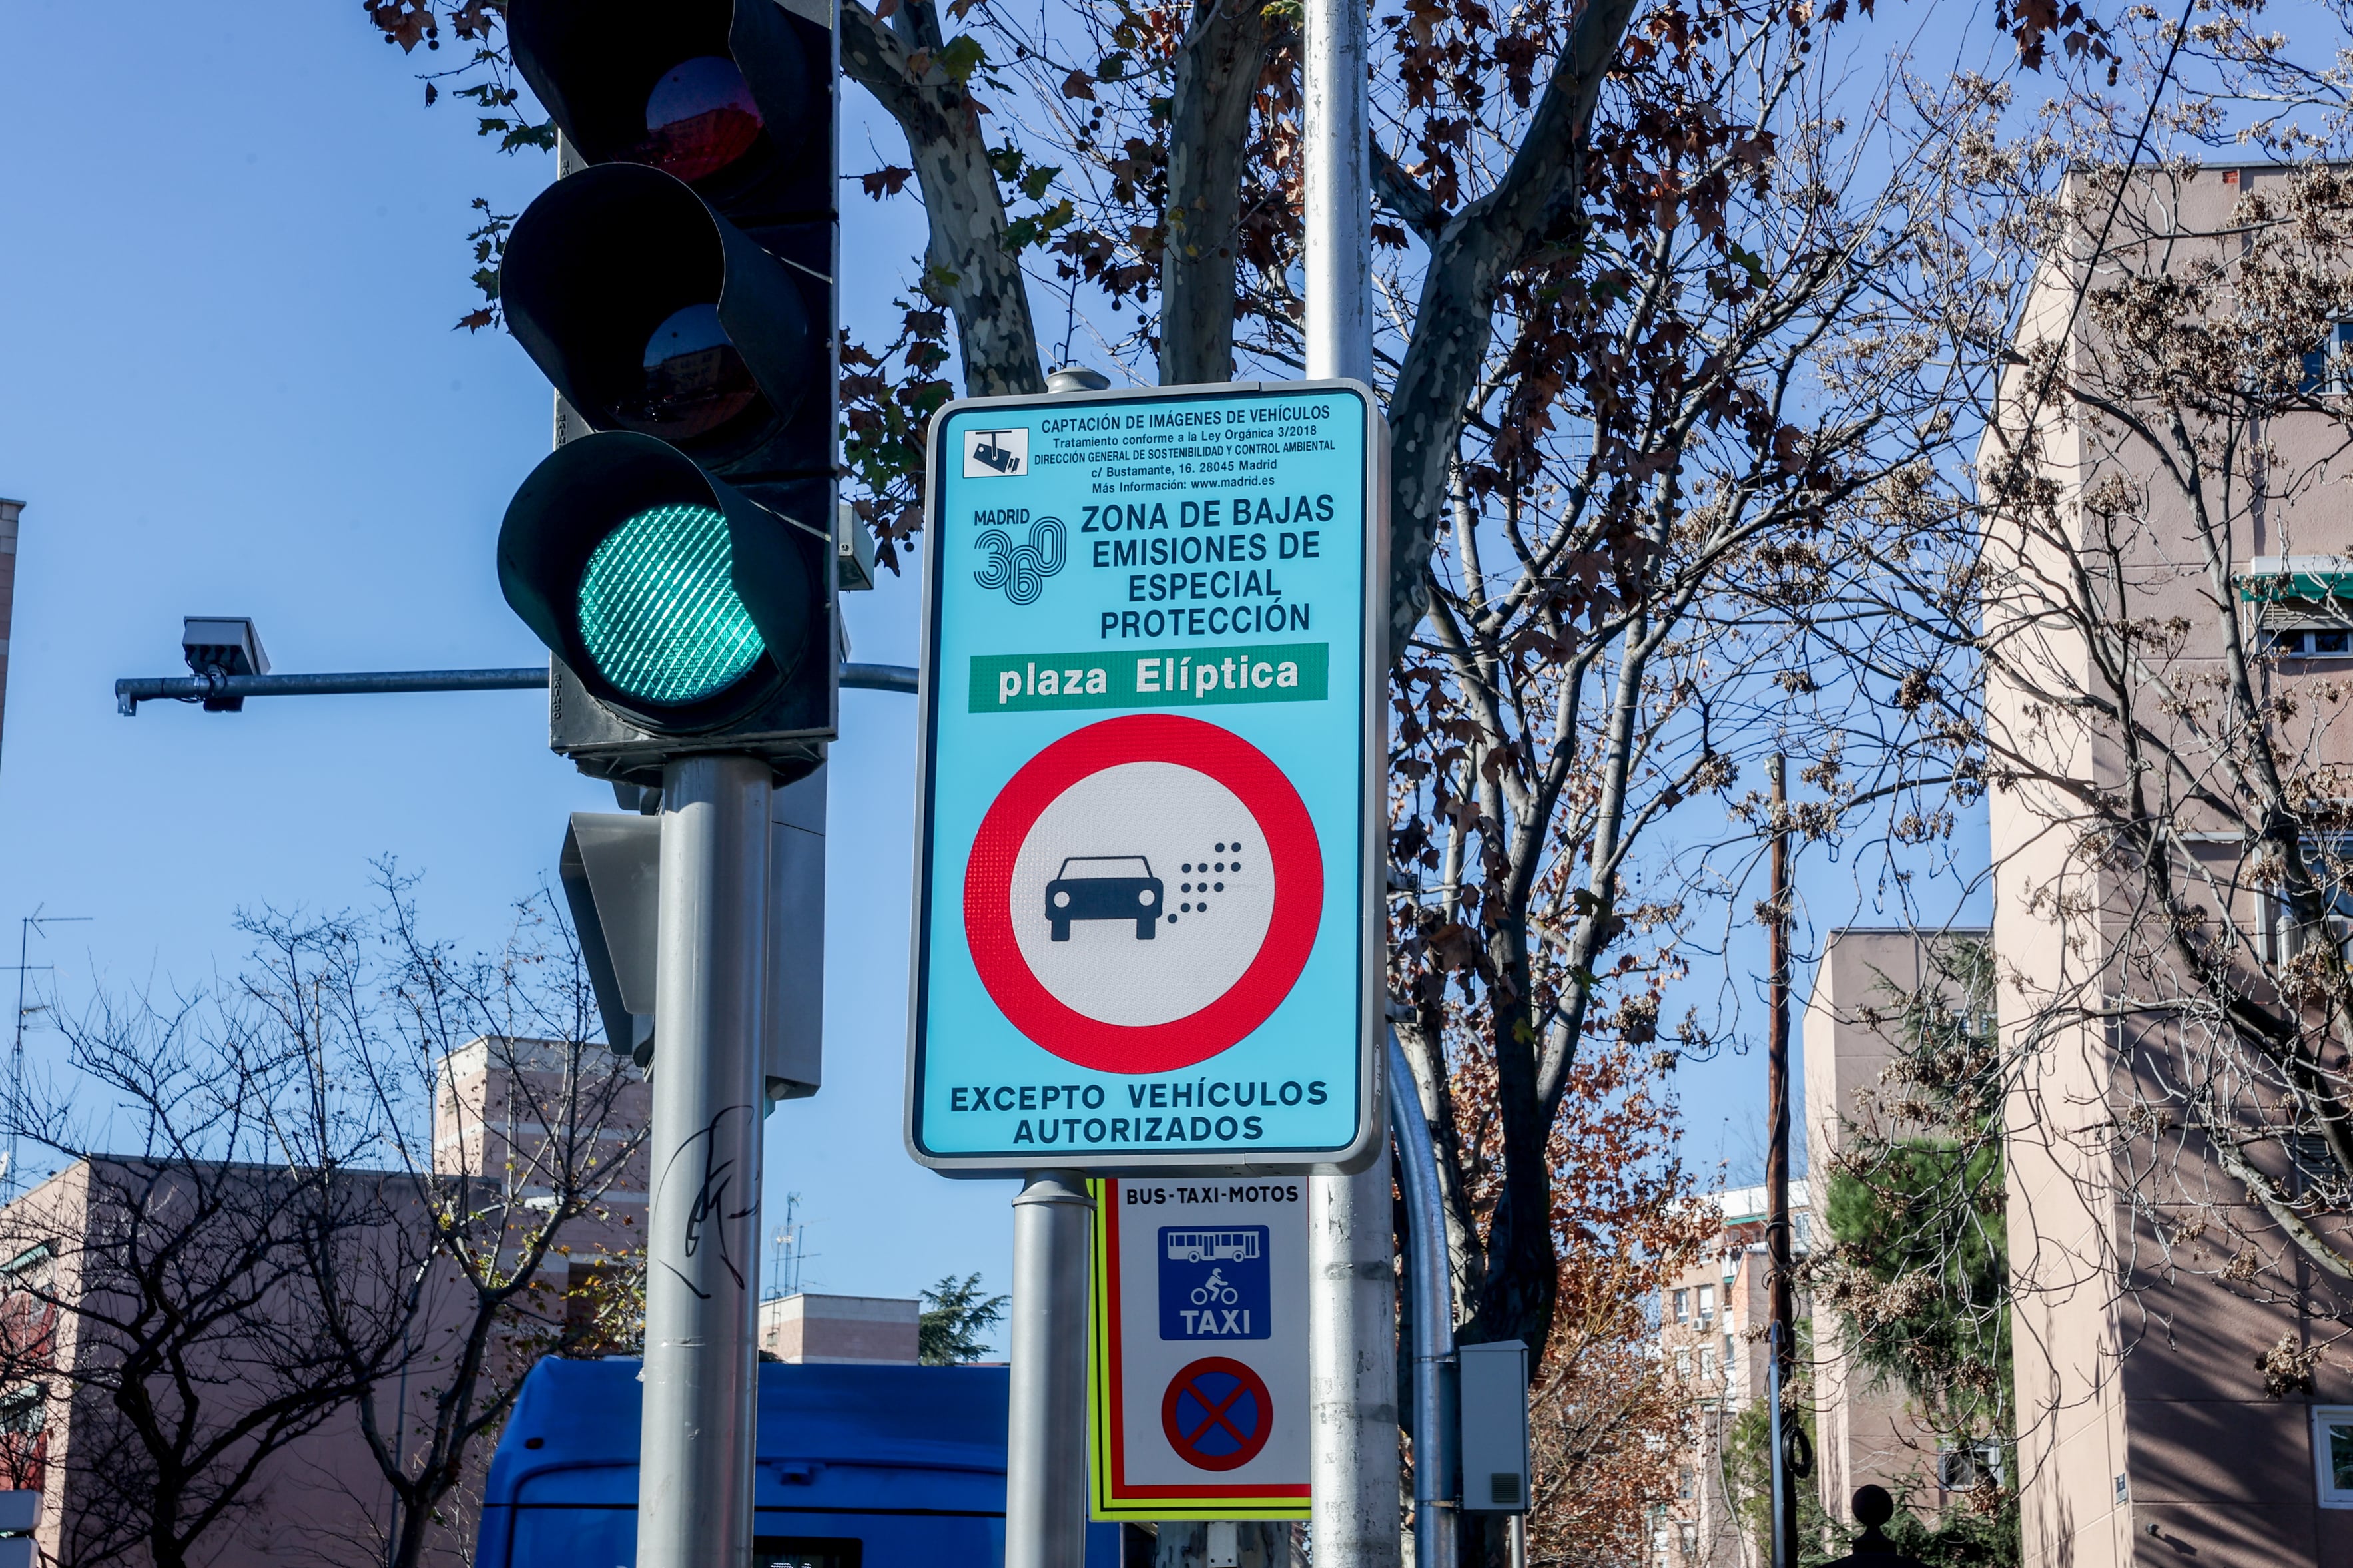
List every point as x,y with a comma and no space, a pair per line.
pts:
509,1132
372,1185
156,1299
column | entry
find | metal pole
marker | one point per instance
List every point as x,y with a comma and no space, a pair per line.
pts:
1429,1268
1785,1525
703,1221
130,691
1046,1446
1352,1371
1776,1181
17,1056
1337,244
1352,1308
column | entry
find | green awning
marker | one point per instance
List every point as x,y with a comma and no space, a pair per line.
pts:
2260,587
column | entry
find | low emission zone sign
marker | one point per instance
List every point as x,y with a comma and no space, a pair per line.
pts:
1146,913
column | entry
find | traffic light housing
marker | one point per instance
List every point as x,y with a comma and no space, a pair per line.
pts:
679,292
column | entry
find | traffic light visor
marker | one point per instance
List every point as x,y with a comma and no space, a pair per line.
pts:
659,611
731,99
652,313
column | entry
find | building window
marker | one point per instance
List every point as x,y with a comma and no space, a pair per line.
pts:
2332,1452
1683,1483
1707,1362
2325,366
2302,605
1683,1365
1706,1304
1682,1306
1691,1541
2277,921
2312,642
2313,1173
1727,1349
1966,1467
24,1436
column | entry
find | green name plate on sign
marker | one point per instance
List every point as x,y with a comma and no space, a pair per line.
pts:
1149,906
1030,683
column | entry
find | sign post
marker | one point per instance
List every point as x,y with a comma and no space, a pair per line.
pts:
1148,911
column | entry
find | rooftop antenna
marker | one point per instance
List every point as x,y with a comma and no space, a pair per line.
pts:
26,928
786,1253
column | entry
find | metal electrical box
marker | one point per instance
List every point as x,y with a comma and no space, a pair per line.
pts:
1494,1399
611,869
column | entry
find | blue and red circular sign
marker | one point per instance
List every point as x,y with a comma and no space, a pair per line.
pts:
1216,1414
1290,846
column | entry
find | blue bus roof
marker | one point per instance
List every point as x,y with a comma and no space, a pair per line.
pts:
585,1412
909,1460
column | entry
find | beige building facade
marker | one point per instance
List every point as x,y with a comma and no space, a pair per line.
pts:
807,1326
1863,1433
2179,1402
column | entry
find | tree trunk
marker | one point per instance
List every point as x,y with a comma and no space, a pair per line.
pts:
1216,77
967,266
1467,260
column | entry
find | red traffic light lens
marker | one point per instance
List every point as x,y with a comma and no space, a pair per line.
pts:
700,118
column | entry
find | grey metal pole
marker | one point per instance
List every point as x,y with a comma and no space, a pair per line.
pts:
130,691
1337,245
1046,1446
1352,1308
702,1218
1430,1271
1352,1372
1780,1272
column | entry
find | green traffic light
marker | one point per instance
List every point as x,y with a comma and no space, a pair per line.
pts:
658,610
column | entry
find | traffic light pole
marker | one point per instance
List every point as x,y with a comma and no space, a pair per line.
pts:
702,1219
1351,1288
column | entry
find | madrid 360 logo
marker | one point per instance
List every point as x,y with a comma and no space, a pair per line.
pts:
1019,568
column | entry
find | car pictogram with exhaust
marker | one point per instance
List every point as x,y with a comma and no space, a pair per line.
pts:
1104,887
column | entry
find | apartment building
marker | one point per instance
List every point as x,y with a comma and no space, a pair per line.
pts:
1712,1322
1866,991
807,1327
1712,1319
2167,599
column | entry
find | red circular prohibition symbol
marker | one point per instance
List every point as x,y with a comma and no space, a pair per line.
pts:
1298,865
1216,1414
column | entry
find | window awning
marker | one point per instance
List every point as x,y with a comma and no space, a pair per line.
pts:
2313,581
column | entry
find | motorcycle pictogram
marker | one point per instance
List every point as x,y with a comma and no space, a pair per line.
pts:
1215,1288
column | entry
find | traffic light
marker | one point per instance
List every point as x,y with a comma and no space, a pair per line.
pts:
678,561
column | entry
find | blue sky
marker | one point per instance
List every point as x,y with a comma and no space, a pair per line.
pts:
228,385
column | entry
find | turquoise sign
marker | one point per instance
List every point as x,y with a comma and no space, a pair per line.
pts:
1147,904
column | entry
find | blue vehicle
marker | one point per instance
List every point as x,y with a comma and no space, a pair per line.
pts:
859,1467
